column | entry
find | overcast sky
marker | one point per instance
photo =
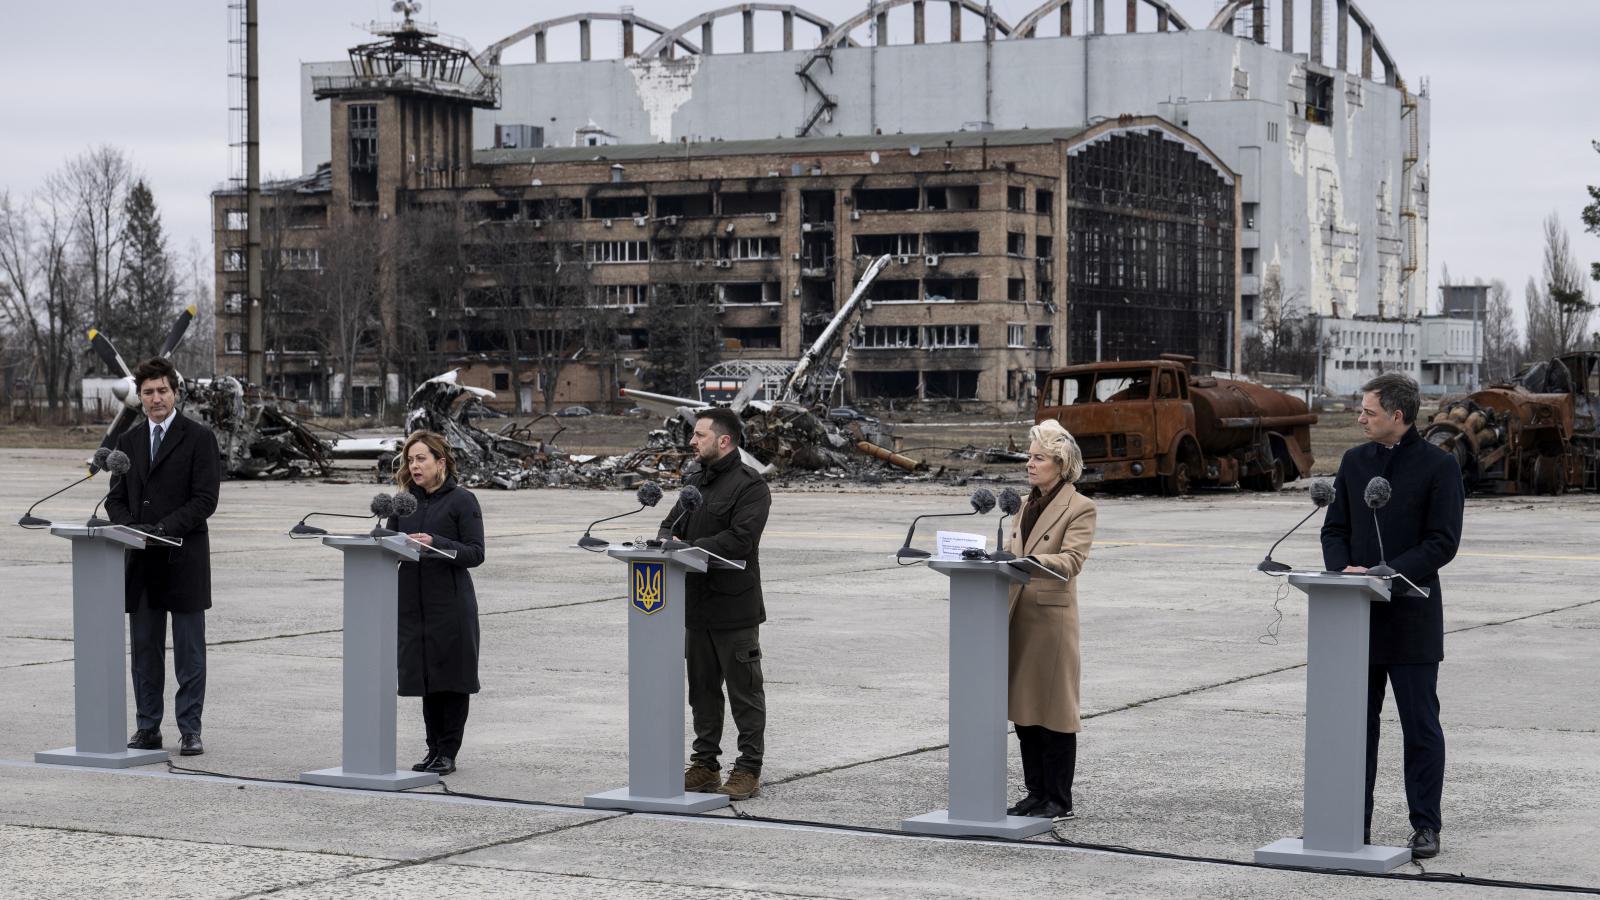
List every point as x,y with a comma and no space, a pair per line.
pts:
1513,87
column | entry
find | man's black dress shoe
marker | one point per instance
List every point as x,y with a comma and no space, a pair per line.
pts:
1424,843
441,765
1026,805
145,739
426,762
190,745
1050,809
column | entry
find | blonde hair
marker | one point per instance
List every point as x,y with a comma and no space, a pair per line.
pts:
435,443
1059,443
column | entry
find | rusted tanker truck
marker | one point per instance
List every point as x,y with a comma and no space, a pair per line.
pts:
1536,434
1154,420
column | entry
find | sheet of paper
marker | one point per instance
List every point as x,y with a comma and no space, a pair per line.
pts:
950,543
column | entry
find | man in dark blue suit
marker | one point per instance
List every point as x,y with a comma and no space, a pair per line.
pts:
1421,529
170,490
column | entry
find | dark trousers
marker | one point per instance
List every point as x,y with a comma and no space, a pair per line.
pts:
1049,762
732,658
444,715
1417,700
147,630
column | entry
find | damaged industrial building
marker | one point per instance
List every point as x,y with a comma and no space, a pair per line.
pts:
533,213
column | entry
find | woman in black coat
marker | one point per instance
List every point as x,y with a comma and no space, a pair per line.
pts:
438,655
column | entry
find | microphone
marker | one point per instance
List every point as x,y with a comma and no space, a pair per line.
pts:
117,463
1010,502
690,498
1377,496
382,506
29,520
1321,495
982,501
648,495
385,505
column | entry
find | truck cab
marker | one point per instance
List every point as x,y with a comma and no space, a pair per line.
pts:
1126,416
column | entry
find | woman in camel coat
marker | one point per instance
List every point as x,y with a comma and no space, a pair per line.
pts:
1055,527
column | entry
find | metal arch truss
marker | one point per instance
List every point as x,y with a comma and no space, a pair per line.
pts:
1371,42
1167,18
491,54
706,19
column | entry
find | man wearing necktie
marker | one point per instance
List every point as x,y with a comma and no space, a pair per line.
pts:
170,490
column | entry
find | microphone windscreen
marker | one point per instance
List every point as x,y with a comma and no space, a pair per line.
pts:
118,462
1322,492
1378,492
982,500
403,503
100,458
690,497
649,494
1010,501
382,506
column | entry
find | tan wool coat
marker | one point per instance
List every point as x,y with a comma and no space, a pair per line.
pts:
1044,662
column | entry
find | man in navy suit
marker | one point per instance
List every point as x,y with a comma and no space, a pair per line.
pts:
170,490
1421,530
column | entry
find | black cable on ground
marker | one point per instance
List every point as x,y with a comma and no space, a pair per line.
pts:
1114,849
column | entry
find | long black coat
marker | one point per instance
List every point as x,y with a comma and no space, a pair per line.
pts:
728,524
1421,530
438,607
174,498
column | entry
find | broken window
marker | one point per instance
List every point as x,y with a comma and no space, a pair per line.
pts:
620,295
753,203
686,205
233,302
299,258
937,337
895,290
956,385
1319,98
817,207
1044,246
885,384
233,260
1042,336
886,199
892,244
363,152
1044,202
556,209
944,289
624,207
964,196
745,293
233,342
1016,289
1017,199
887,337
947,243
748,248
764,338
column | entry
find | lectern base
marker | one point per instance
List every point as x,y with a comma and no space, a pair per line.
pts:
686,802
393,781
1008,826
120,759
1367,858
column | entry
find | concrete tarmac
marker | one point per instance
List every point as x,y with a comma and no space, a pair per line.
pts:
1191,749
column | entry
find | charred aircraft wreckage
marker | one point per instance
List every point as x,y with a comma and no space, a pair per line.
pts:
1535,434
789,433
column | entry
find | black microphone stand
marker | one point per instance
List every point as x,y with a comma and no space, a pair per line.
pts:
1382,569
1271,565
594,544
301,529
29,520
907,551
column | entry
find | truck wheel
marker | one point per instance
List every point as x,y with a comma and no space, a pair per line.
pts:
1270,481
1177,484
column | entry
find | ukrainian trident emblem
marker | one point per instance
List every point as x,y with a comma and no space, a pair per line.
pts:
648,586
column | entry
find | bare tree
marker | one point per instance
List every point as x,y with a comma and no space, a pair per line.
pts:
328,299
1502,345
1288,335
430,269
40,292
95,185
1559,309
197,355
684,337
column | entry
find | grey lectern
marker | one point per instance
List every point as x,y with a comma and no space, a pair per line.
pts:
371,611
980,595
656,683
99,663
1336,729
